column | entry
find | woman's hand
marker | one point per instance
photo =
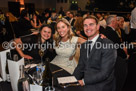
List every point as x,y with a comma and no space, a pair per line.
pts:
81,82
71,58
26,56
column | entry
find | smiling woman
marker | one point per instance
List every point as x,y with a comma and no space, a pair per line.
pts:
37,43
65,46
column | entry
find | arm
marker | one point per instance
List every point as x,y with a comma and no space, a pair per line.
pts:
125,50
108,59
80,35
33,23
79,71
79,42
19,50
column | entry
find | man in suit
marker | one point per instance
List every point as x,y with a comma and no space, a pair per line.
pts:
122,55
111,33
95,70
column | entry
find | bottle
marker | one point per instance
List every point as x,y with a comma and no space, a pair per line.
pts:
23,82
15,57
8,56
47,75
38,75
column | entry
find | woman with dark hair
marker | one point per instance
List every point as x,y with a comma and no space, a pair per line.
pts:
35,21
24,24
31,45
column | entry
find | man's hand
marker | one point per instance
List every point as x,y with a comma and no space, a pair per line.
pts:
81,82
103,36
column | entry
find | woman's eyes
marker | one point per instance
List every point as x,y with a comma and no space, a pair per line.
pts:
61,27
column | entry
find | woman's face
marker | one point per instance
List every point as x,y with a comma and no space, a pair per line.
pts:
45,34
62,29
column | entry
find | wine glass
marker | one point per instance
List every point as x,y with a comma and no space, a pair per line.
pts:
41,53
37,77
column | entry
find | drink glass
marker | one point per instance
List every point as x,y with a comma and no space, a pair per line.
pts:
38,74
37,77
49,88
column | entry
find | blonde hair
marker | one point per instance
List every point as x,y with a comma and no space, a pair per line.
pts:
57,37
12,18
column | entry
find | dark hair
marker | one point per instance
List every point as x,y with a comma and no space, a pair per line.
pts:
23,13
45,25
91,17
49,40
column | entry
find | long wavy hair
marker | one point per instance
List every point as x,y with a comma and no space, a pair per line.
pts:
12,18
57,37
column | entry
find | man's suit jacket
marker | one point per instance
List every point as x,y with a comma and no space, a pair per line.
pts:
112,35
97,70
72,22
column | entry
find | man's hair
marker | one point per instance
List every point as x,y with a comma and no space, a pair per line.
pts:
91,17
23,13
119,17
110,18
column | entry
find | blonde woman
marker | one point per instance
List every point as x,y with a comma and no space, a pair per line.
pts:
65,46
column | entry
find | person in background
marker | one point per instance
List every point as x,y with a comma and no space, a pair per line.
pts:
44,17
78,26
120,31
72,19
95,70
102,21
35,21
133,25
67,15
79,11
122,54
24,24
11,26
62,11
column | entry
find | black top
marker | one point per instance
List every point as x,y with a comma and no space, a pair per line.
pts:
32,47
112,35
24,26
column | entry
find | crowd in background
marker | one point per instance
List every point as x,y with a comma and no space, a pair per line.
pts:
12,27
114,26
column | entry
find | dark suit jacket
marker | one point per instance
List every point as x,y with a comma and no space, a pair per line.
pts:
97,70
72,23
112,35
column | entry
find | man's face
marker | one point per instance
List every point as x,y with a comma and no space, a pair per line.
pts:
91,29
120,23
68,13
115,23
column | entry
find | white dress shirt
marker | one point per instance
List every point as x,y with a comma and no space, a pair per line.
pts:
133,19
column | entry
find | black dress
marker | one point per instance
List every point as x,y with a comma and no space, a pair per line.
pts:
32,47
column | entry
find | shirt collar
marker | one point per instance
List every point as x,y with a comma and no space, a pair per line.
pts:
112,28
94,39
